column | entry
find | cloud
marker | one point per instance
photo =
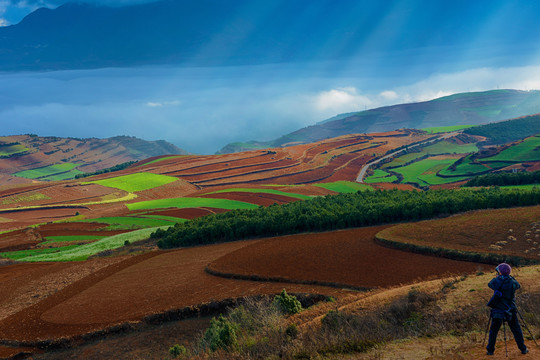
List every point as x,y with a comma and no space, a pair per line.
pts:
341,100
389,95
163,103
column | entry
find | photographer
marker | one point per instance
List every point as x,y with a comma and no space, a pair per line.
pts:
504,308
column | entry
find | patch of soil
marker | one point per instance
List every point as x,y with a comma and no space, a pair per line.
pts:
188,213
344,257
476,231
264,199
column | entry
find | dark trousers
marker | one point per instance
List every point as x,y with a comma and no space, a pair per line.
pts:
513,323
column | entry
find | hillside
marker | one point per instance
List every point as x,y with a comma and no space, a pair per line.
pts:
55,158
458,109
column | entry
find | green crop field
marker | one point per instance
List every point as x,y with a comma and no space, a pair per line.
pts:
380,176
441,147
82,252
12,149
27,254
442,129
129,222
267,191
70,238
527,150
62,171
345,186
190,203
424,172
521,187
135,182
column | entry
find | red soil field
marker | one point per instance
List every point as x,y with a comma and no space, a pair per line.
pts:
346,257
188,213
128,290
476,231
264,199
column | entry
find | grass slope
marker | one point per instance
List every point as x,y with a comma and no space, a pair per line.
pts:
135,182
380,176
62,171
266,191
344,186
424,172
187,202
527,150
79,253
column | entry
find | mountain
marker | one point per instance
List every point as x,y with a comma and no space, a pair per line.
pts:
56,158
471,108
217,32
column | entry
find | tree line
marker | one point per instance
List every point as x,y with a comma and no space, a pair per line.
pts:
341,211
504,179
507,131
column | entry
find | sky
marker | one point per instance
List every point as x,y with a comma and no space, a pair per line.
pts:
203,109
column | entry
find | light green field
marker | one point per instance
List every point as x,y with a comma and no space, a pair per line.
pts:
524,187
424,172
380,176
527,150
128,222
8,150
62,171
135,182
163,159
82,252
186,202
441,147
70,238
267,191
442,129
26,254
345,186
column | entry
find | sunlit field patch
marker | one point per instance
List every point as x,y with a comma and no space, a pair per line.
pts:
135,182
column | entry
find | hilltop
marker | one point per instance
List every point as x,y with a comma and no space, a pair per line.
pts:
473,108
51,158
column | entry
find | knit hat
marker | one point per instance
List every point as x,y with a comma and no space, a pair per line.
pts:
504,269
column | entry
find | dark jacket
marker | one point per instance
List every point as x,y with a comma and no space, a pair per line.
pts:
507,285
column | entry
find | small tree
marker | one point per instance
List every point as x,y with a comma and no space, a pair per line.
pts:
220,335
287,304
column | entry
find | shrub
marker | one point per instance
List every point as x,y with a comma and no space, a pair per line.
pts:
287,304
220,335
292,331
177,350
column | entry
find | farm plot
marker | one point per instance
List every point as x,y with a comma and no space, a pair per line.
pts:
527,150
135,182
442,129
120,292
188,202
339,257
424,172
129,222
499,232
261,190
344,186
7,150
380,176
54,172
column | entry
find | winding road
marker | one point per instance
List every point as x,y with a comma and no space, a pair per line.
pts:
362,172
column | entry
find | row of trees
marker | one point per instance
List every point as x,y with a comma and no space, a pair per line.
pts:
107,170
338,212
503,179
507,131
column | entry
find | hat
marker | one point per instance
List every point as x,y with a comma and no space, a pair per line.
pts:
503,269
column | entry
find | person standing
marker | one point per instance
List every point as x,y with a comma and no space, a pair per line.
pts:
504,309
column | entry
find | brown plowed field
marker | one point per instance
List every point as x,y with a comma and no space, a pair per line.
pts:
264,199
128,290
476,231
345,257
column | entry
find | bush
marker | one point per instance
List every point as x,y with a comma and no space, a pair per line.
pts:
177,350
287,304
220,335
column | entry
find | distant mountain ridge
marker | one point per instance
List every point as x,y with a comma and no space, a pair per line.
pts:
473,108
64,158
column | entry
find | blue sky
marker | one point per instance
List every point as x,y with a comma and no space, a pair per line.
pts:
412,51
